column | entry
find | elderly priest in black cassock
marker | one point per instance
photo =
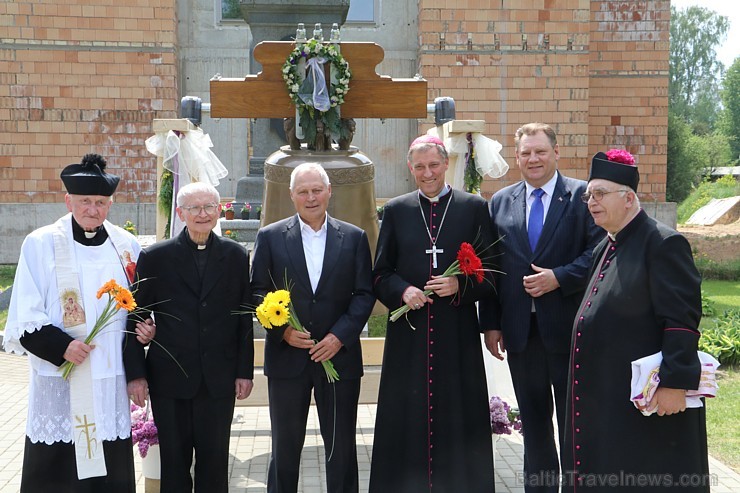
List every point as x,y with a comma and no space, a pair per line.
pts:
432,429
644,297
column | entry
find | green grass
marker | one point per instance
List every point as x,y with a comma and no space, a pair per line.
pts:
723,412
376,325
706,191
7,273
728,270
723,419
725,294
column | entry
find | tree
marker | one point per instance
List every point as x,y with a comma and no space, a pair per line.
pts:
731,114
693,66
684,160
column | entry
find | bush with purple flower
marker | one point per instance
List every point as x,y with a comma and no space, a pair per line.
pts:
504,418
143,429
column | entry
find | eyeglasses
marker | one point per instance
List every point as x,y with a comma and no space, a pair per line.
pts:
597,194
194,210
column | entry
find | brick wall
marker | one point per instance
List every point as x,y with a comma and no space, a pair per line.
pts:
595,70
75,79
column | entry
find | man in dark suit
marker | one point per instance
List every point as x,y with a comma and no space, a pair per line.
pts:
327,267
194,282
547,237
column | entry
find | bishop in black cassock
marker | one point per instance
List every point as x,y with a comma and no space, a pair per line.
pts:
432,430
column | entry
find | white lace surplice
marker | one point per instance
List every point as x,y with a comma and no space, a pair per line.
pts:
35,303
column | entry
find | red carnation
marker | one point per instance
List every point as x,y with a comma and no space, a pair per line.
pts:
470,263
620,156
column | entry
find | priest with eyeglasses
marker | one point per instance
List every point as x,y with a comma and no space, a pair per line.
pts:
205,356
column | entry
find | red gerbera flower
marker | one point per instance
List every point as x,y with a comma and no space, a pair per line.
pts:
470,263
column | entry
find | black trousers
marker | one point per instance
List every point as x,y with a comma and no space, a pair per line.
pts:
336,404
539,377
53,467
201,424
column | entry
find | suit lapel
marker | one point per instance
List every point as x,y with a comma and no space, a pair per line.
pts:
186,265
519,214
558,203
294,247
334,238
214,267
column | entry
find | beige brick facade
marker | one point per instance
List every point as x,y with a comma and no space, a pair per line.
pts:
77,78
595,70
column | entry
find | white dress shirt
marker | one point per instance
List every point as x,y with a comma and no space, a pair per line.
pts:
314,245
549,189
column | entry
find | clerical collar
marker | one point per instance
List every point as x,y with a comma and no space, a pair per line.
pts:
88,238
194,245
445,190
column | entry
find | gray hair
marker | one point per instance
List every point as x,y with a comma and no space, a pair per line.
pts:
304,167
532,129
195,188
423,146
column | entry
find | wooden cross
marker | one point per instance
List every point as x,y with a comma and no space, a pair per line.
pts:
434,251
370,96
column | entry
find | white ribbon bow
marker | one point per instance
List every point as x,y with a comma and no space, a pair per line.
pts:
313,90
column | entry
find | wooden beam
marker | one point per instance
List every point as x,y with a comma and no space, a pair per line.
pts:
370,96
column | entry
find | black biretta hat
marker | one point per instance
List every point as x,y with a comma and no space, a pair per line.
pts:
89,177
617,166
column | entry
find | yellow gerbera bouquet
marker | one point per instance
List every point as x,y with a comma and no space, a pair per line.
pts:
276,310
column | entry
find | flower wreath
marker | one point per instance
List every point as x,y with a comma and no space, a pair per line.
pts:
339,86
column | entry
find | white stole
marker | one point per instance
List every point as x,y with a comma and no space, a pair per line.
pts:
88,447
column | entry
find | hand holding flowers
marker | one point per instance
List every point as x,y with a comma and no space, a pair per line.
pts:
118,298
467,263
277,310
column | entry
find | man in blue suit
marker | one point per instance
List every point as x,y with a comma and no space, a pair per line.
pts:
547,237
328,263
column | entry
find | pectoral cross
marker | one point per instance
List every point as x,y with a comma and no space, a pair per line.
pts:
434,251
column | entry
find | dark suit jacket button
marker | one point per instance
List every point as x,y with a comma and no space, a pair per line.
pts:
205,303
204,329
313,301
310,323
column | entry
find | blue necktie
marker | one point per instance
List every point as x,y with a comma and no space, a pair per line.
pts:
536,218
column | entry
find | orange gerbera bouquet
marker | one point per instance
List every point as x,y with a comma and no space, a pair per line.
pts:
118,298
467,262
